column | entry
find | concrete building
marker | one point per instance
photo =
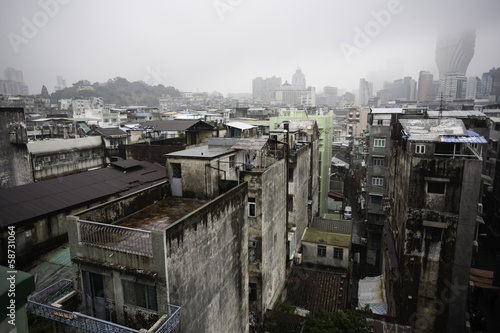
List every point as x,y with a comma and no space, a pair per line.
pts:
434,189
473,89
112,138
331,94
380,150
328,243
425,91
38,210
402,89
60,157
287,94
452,86
15,166
325,126
299,80
365,92
263,89
303,177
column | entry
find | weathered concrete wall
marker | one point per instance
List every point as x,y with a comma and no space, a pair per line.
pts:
433,238
121,207
310,255
200,177
154,152
268,229
298,188
74,165
207,265
15,166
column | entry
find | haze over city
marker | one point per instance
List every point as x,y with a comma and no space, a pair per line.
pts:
221,45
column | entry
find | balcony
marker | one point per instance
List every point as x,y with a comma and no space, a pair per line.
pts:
117,238
58,302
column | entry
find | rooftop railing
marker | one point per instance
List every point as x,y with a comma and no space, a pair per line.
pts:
49,303
115,237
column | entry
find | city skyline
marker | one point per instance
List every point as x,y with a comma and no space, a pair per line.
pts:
223,45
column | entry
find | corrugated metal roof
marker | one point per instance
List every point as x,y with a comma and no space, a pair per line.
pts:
251,143
111,132
174,125
455,113
240,125
344,227
468,139
386,110
32,201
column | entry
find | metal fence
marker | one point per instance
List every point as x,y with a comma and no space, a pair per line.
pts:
41,304
172,321
115,237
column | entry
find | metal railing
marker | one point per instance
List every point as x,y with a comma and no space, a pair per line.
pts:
172,321
41,304
115,237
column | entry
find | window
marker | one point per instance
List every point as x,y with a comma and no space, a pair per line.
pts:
231,161
252,251
290,174
420,149
433,234
321,251
379,142
251,207
338,253
378,161
141,295
252,292
380,122
378,181
176,170
290,203
436,187
376,199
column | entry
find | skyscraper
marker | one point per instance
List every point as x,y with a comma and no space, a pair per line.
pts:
299,79
365,91
454,51
12,74
425,92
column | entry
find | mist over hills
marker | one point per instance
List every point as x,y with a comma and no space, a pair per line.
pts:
117,91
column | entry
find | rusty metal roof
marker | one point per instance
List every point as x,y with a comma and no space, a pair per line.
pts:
36,200
251,143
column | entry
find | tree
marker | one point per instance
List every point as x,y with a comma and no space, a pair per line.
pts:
337,322
45,92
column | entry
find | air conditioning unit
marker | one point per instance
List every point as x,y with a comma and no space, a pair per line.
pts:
298,258
480,208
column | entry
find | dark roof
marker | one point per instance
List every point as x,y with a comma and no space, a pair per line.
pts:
309,288
36,200
111,132
341,226
175,125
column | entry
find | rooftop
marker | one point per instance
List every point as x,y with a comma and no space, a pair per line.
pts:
432,130
167,211
341,226
205,151
321,236
309,288
37,200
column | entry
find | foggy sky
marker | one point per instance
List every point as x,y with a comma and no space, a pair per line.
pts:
221,45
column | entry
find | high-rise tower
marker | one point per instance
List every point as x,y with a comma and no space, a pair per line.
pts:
299,79
454,51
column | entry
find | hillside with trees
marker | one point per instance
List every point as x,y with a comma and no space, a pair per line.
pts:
117,91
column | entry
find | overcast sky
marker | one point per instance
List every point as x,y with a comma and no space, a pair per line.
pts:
221,45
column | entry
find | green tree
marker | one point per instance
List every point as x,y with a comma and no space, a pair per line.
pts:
337,322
